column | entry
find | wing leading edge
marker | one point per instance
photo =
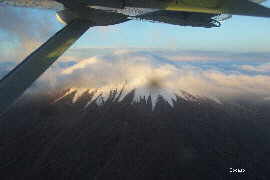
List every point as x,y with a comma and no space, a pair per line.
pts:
234,7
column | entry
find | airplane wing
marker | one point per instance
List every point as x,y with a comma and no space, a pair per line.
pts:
181,18
234,7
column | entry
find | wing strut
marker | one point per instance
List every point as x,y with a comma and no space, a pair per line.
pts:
13,85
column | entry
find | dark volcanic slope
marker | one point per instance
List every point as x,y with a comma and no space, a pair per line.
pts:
194,139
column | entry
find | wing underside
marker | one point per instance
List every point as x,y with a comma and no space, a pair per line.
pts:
181,18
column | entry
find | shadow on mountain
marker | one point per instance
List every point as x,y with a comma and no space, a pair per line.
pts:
119,138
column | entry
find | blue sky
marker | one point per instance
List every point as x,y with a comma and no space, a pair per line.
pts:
236,34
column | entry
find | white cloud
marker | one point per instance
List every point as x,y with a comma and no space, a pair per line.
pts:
80,65
259,68
151,76
193,58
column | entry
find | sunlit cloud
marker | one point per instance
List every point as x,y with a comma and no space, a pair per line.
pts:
192,58
80,65
173,55
150,75
264,68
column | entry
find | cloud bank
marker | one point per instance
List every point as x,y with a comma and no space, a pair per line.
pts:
152,75
263,68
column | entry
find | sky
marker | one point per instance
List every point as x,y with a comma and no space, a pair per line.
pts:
237,34
240,33
231,61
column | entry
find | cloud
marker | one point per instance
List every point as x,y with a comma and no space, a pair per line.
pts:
153,72
150,75
81,65
22,30
263,68
174,55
